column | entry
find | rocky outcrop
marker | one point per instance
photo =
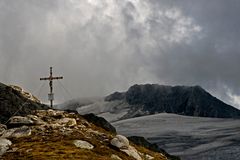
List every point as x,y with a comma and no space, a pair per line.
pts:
191,101
25,94
12,101
99,121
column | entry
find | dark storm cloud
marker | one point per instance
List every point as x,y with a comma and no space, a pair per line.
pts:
103,46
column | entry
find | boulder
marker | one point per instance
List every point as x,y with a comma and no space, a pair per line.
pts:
18,121
83,144
4,145
23,131
100,122
120,142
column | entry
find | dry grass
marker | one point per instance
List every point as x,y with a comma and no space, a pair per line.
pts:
53,144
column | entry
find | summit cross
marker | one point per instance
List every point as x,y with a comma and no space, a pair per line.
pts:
50,79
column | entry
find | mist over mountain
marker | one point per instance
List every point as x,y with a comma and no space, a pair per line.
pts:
149,99
190,101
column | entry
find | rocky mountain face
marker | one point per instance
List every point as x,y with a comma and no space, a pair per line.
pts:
37,132
53,134
12,99
190,101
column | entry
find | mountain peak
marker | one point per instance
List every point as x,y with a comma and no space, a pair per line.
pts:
185,100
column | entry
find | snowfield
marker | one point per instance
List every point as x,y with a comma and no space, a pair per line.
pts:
191,138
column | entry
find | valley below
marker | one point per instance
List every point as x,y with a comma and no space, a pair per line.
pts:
191,138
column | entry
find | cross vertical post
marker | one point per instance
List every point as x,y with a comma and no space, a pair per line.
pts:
50,79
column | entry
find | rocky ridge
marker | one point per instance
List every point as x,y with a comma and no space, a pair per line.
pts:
191,101
53,134
14,100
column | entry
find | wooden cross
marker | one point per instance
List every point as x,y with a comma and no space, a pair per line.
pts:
50,79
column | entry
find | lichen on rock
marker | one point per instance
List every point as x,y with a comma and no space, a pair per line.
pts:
4,145
83,144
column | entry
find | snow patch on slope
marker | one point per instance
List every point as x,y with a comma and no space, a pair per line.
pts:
111,111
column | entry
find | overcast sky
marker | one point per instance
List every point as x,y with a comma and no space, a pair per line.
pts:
101,46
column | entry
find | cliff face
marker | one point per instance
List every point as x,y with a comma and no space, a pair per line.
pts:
12,99
190,101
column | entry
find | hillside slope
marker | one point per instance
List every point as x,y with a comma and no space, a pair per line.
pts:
52,134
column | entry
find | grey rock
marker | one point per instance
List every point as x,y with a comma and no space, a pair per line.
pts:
2,128
23,131
83,144
18,121
120,142
131,151
4,145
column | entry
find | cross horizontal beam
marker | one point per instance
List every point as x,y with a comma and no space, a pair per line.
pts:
50,78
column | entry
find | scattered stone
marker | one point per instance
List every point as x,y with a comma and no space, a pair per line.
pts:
2,128
131,151
54,113
8,133
83,144
18,121
4,145
36,120
115,157
23,131
120,142
68,122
